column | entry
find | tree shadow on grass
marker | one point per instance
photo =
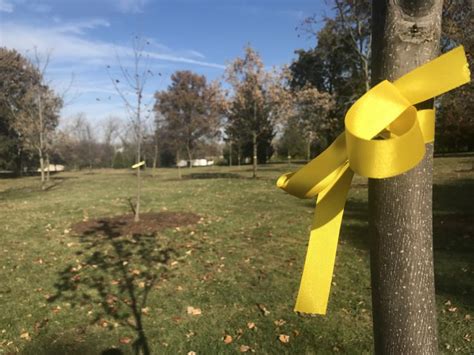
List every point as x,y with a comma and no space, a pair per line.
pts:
194,176
116,272
72,343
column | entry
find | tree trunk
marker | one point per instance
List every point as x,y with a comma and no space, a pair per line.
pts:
190,157
41,141
139,157
155,159
177,164
254,146
43,180
47,167
405,34
238,155
230,154
308,150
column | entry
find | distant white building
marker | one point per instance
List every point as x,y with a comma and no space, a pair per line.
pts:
53,167
195,162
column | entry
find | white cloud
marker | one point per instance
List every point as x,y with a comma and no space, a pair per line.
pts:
73,50
80,27
196,54
130,6
6,6
67,42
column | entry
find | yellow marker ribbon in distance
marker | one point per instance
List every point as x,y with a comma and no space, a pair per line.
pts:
137,165
386,109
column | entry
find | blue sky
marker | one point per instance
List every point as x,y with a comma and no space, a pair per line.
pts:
85,36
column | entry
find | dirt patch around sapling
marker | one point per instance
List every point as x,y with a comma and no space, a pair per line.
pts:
124,224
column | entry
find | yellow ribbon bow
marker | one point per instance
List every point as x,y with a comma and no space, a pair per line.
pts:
386,109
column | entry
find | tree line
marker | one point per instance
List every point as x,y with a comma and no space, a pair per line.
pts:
293,111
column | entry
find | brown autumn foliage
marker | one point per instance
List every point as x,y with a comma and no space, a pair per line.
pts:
192,110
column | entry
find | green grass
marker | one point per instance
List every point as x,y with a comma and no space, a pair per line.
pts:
65,294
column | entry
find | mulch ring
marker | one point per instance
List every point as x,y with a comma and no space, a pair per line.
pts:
124,224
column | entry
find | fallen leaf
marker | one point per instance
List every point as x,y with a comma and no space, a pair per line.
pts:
251,325
190,334
279,322
141,284
146,310
192,353
25,335
194,311
125,340
244,348
176,319
40,324
263,309
452,309
283,338
228,339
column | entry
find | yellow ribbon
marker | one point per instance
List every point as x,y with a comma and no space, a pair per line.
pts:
384,136
137,165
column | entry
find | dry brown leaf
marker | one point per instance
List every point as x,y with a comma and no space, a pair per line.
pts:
125,340
263,309
25,335
192,353
251,325
194,311
279,322
283,338
40,324
228,339
244,348
146,311
190,334
452,309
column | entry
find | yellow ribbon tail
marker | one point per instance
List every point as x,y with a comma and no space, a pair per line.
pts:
384,136
319,264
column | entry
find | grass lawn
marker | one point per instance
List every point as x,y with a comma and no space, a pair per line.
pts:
233,276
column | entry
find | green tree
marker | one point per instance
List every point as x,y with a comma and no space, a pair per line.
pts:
455,121
17,77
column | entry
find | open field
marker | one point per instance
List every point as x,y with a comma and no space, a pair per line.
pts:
238,267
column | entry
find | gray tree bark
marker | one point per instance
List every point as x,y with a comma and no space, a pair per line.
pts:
405,34
255,155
